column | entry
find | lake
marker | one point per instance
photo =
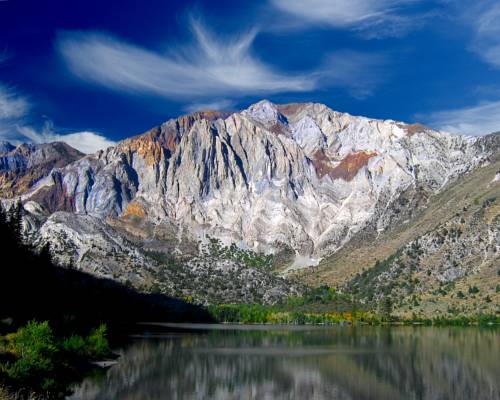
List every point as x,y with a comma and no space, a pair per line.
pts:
302,362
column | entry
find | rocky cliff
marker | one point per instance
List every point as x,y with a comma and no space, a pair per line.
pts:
296,182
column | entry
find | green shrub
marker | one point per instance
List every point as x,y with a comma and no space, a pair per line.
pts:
97,343
473,289
42,363
94,346
298,318
35,348
75,344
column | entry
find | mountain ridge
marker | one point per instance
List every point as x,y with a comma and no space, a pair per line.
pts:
157,146
23,166
296,182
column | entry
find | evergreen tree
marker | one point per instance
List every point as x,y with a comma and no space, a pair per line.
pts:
15,218
387,306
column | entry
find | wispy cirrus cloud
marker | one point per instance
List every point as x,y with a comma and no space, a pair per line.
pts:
216,105
484,17
477,120
373,18
209,67
211,72
12,105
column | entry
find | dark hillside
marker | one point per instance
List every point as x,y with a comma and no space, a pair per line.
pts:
32,287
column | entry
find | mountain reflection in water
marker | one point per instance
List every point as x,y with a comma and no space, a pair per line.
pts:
304,363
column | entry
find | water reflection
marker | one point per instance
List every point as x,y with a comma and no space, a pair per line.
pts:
327,363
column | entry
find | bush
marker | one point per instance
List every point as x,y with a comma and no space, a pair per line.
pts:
74,344
97,344
94,346
36,357
35,349
473,289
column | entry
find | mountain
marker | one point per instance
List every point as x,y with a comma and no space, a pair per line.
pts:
214,204
443,260
22,166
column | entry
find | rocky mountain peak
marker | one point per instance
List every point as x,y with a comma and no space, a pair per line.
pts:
295,182
264,112
296,176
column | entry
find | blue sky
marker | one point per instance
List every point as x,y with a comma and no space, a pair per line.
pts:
94,72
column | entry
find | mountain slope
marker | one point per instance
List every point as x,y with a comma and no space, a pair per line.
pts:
370,245
452,268
449,246
299,176
296,182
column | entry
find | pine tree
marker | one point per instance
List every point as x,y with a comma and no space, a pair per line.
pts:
387,306
15,221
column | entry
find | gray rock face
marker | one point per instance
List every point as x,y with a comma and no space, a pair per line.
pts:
295,182
300,176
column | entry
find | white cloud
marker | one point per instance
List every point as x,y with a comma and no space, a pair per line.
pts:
14,125
211,67
373,17
12,105
477,120
487,40
210,73
14,108
483,17
17,131
87,142
14,115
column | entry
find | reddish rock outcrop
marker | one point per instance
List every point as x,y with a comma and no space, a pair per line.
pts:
152,144
412,129
346,169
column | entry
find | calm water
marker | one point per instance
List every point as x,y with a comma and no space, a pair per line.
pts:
304,363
